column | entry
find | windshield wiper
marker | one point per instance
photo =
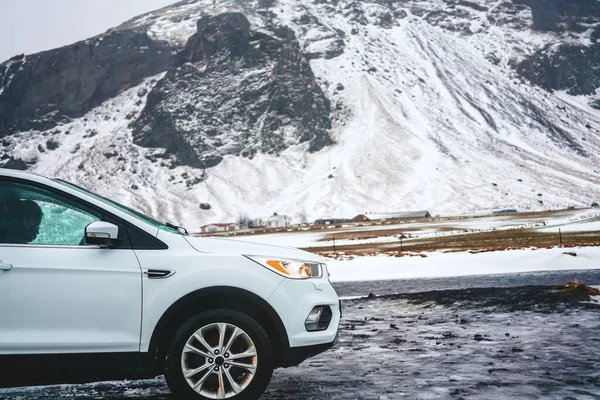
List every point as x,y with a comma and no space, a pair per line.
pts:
179,228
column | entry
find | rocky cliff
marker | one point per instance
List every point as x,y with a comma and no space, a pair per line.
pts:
43,90
235,91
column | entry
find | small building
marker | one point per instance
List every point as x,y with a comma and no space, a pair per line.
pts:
360,218
278,221
227,227
391,216
331,221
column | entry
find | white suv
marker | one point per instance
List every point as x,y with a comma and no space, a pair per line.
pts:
92,290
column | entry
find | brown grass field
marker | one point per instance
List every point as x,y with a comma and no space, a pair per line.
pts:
475,242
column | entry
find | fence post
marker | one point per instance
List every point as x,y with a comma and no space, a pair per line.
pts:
560,235
334,244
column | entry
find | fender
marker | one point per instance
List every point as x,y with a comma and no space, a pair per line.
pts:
202,299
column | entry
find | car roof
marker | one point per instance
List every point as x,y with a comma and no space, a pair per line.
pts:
20,174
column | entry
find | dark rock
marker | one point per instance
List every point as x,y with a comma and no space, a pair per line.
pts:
571,67
478,337
393,326
340,33
193,182
517,350
134,187
41,148
493,58
492,370
472,4
371,296
111,154
235,113
15,163
554,15
339,86
386,20
205,206
44,89
52,144
90,133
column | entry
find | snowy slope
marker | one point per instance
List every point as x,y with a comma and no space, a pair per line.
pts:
422,120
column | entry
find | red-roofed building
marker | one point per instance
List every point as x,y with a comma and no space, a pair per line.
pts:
220,227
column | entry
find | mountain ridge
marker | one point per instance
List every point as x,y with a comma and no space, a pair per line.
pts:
428,109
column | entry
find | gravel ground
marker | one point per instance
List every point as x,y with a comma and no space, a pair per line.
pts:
480,343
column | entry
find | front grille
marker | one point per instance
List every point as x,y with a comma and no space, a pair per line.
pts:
325,319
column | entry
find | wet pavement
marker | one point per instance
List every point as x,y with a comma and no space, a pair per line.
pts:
539,278
478,343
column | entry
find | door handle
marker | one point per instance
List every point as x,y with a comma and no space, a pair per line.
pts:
5,267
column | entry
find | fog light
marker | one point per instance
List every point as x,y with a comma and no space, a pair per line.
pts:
318,319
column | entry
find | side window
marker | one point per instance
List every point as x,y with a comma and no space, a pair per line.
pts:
32,215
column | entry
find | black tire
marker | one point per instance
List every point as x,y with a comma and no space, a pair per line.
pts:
262,343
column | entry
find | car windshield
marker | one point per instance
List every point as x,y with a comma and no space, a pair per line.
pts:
127,210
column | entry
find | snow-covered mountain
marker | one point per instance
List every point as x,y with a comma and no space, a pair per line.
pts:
319,107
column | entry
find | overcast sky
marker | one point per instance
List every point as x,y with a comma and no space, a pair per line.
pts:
30,26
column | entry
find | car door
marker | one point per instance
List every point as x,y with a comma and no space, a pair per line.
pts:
57,294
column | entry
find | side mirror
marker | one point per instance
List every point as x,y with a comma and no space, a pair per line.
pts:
102,234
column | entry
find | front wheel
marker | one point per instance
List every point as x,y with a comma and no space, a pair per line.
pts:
219,354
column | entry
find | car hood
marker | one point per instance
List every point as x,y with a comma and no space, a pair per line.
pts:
232,246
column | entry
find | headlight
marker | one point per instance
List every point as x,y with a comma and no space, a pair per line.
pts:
295,269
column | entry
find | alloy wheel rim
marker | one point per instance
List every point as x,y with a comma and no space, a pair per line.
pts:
219,360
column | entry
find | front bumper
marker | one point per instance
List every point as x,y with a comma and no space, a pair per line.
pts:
293,300
296,355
